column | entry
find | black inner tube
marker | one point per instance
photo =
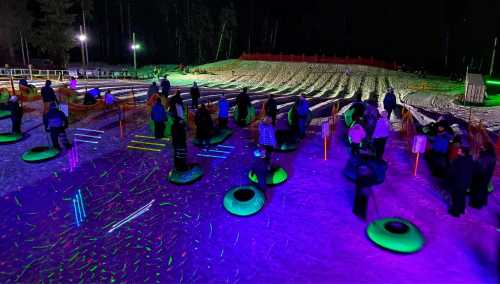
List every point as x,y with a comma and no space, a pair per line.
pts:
39,149
244,194
396,227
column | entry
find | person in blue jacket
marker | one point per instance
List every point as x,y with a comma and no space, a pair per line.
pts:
56,122
159,115
302,112
223,112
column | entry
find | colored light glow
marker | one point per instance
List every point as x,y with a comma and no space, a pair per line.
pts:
135,46
92,130
90,136
82,37
86,141
211,156
132,216
144,149
493,82
148,143
224,146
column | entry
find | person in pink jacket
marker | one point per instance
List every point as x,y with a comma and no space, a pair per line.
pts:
356,135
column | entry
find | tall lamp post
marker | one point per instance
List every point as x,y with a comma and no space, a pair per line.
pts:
83,38
135,46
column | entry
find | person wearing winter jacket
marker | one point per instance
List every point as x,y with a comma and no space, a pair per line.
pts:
48,96
159,115
242,103
380,134
302,112
176,105
390,102
459,180
223,112
16,114
153,89
271,108
484,167
356,135
165,87
179,144
195,95
204,125
267,138
56,122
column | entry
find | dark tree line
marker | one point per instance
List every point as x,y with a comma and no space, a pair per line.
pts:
170,31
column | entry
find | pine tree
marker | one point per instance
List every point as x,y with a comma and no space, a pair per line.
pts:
54,36
16,19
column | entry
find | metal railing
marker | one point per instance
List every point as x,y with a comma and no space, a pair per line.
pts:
34,74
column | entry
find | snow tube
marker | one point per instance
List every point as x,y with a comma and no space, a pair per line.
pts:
250,116
356,109
244,200
287,147
4,114
10,137
220,137
396,235
194,173
40,154
274,177
168,127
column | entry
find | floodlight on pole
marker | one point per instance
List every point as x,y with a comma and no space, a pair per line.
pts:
82,37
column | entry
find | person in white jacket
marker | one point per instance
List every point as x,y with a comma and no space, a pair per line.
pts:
380,134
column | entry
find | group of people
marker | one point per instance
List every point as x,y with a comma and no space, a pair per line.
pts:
371,133
466,161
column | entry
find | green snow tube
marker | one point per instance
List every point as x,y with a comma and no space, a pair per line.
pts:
250,116
244,200
274,177
396,235
288,147
168,127
219,138
40,154
194,173
4,114
10,137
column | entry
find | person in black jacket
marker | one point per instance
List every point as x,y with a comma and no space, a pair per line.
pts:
243,102
89,99
56,122
48,95
204,125
390,102
483,171
195,95
460,179
271,108
179,144
165,87
176,105
16,114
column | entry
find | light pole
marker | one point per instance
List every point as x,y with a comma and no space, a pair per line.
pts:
83,38
135,46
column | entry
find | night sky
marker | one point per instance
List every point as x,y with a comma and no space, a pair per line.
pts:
411,32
